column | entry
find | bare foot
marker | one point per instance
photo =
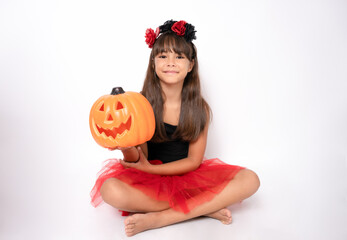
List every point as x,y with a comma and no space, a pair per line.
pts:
223,215
139,222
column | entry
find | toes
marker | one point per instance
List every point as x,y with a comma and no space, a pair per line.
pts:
129,226
132,225
129,220
226,212
227,221
129,232
226,216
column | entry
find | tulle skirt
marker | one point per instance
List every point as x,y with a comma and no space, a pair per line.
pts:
182,192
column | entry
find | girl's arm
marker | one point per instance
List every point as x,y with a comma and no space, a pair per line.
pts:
131,154
192,162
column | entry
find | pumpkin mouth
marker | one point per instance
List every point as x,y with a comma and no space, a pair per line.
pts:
115,131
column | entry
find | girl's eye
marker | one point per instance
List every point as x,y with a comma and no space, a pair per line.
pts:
161,56
180,57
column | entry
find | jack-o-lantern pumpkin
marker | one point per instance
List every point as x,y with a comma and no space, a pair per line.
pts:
121,119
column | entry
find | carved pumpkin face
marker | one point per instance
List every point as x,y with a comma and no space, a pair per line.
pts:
121,119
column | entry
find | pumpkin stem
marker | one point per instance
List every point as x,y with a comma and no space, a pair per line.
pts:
117,90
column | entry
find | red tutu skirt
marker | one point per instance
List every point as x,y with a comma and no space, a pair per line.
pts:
182,192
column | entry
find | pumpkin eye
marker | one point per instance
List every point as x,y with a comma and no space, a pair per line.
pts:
101,108
119,106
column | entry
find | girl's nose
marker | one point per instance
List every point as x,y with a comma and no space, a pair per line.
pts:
171,61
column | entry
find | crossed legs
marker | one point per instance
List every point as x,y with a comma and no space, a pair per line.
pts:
153,214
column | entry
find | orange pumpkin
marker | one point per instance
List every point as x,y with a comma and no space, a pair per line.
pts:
121,119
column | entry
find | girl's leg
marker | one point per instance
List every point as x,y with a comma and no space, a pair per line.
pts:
244,184
124,197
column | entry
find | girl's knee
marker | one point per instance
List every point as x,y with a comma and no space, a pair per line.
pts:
106,190
111,193
250,178
255,179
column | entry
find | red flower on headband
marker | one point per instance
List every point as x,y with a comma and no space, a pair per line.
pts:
179,28
150,36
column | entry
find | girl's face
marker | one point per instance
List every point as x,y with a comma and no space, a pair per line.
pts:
171,67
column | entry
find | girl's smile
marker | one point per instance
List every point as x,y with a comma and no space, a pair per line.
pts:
172,67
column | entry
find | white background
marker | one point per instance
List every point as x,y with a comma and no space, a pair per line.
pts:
274,73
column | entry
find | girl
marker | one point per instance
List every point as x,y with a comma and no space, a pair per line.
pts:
181,185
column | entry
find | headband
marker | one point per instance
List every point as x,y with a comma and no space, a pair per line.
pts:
181,28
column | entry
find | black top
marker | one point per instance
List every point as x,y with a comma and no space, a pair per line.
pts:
168,151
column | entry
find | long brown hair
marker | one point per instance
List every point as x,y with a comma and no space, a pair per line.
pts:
195,112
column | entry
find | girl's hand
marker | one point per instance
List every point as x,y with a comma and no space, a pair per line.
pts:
142,164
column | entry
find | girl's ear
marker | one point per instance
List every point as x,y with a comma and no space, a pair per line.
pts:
191,65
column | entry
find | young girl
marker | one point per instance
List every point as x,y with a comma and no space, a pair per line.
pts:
182,185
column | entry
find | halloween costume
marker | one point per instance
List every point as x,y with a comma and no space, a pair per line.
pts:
183,192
